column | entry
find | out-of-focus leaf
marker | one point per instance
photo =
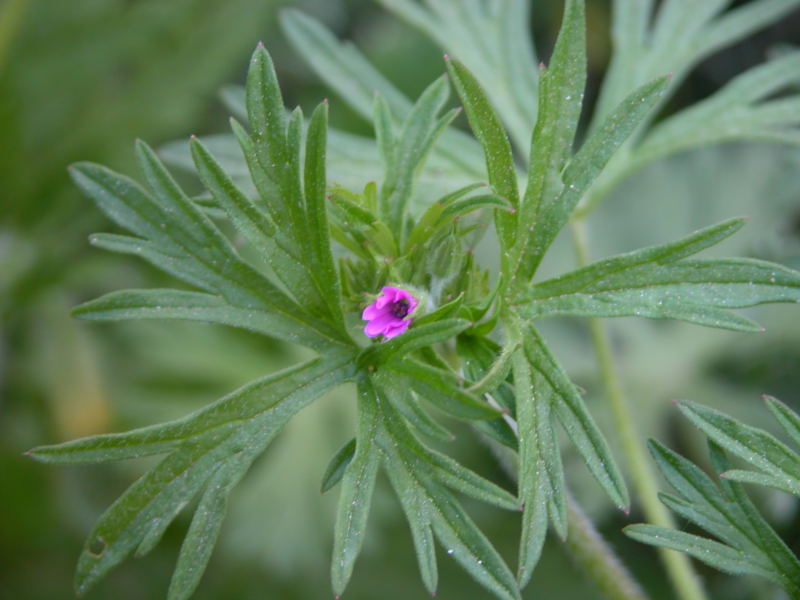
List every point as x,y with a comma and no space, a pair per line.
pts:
675,39
738,111
494,43
344,69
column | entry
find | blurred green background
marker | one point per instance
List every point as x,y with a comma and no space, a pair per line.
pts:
79,80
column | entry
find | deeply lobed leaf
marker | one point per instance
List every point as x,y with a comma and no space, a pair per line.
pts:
750,545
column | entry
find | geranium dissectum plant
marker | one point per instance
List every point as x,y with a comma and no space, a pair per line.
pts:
325,258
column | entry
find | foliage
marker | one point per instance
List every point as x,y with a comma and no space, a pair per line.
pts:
257,251
748,544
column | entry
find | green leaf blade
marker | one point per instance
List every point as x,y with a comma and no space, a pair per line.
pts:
591,159
441,389
322,268
355,498
490,133
576,420
561,90
337,466
753,445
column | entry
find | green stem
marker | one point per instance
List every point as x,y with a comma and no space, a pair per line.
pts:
11,14
679,569
591,553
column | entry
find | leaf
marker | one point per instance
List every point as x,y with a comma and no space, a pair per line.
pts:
753,445
468,545
712,553
356,495
653,283
431,219
444,469
415,338
442,312
496,148
321,265
435,507
235,428
561,90
337,466
750,545
204,529
256,226
414,142
581,172
179,239
788,419
481,362
494,43
442,390
540,472
192,306
576,420
345,70
498,373
404,401
468,205
738,111
759,479
412,500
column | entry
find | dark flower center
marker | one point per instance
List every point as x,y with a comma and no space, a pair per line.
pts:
400,308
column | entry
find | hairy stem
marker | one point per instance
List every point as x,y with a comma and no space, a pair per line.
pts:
679,569
592,554
584,543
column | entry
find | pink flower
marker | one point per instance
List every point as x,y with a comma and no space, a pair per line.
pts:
390,314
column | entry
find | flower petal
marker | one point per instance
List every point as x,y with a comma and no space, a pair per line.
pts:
396,329
372,311
378,325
